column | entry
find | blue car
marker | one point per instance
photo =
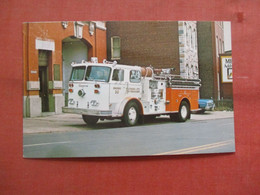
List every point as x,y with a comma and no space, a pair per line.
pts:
206,105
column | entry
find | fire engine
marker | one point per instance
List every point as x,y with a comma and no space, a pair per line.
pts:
109,90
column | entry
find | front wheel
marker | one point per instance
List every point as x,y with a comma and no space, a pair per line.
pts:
131,114
90,120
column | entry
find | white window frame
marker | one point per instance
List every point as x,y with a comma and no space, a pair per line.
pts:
112,48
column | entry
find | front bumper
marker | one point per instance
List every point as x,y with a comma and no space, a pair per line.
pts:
209,107
104,113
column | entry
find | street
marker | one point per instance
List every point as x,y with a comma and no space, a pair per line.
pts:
111,138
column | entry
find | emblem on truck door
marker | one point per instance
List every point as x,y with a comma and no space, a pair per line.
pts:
117,89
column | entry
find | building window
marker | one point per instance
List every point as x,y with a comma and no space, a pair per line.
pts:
217,46
196,40
192,40
187,34
190,37
187,71
220,46
115,48
192,72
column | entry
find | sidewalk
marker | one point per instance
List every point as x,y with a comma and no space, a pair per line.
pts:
74,122
209,115
53,123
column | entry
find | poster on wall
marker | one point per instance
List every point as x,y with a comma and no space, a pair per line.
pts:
106,89
226,69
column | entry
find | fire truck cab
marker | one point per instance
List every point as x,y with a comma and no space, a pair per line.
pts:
108,91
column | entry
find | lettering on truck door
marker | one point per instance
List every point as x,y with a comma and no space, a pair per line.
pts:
134,85
117,87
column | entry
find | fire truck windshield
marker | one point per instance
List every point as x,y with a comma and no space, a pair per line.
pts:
78,73
98,73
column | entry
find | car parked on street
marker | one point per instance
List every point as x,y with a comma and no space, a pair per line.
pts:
206,105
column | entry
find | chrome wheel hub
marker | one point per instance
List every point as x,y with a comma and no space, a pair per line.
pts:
132,114
184,112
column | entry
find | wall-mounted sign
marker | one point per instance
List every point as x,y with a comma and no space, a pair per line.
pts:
33,71
226,69
33,85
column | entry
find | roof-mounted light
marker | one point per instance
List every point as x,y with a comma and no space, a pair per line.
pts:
94,60
114,63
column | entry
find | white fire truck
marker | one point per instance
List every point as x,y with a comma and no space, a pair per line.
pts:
108,90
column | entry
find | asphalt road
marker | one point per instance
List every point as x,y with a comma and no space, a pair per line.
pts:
160,137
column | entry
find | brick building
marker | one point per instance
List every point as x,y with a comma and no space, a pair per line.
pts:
210,46
49,49
162,44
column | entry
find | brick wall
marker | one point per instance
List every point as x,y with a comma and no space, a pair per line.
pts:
206,59
146,43
210,46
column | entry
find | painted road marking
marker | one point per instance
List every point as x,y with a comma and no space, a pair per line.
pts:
198,148
42,144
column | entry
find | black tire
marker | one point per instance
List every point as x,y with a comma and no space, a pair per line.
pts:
90,120
183,114
174,117
131,114
201,111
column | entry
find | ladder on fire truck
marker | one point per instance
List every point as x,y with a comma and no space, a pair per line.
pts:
174,81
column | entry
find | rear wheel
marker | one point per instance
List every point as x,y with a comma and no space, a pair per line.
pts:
131,114
183,114
90,120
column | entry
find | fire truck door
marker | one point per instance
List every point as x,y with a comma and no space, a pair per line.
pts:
134,88
117,86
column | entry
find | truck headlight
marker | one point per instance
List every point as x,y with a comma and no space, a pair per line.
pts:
81,93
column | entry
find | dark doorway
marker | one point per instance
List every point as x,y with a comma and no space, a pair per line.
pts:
44,60
43,70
